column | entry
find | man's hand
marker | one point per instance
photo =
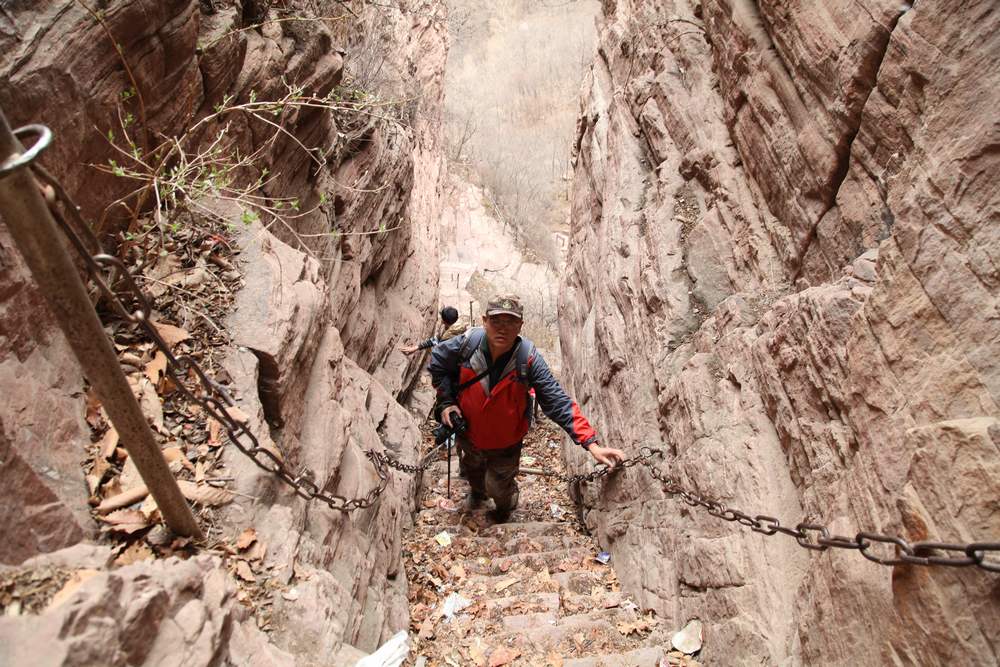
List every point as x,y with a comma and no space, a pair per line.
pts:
606,455
409,349
448,412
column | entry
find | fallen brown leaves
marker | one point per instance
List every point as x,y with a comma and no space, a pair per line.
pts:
30,590
503,573
246,538
204,494
189,293
127,521
505,584
503,656
640,626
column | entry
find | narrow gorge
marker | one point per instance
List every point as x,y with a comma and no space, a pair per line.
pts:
769,250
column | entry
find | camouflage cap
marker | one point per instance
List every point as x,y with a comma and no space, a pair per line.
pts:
505,304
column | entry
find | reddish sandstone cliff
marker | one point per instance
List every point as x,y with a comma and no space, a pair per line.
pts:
783,271
317,323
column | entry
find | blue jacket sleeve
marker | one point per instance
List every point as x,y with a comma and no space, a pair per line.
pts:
444,369
557,405
430,342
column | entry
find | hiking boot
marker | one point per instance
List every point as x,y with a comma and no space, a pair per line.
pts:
474,500
499,516
502,514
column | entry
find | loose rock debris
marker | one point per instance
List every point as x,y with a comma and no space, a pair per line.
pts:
189,273
535,591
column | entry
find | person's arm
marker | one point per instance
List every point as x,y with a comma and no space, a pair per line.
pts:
422,345
560,408
429,342
444,369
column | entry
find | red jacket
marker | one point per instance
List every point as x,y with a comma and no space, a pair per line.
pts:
498,418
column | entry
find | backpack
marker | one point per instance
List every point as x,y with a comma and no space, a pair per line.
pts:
456,329
473,339
525,352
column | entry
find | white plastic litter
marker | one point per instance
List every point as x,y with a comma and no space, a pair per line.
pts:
556,511
390,654
453,604
689,639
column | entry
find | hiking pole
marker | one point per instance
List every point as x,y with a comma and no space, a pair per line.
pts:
450,441
37,238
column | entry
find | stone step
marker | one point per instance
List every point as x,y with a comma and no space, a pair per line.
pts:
554,617
576,603
572,581
530,602
595,628
534,560
513,529
530,543
525,585
579,581
518,622
648,656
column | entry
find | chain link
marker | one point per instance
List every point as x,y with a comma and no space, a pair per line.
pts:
132,306
645,453
817,537
106,270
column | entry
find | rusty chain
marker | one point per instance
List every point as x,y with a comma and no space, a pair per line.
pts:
645,454
809,535
217,403
817,537
133,306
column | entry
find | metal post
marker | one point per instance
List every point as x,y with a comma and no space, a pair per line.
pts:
37,238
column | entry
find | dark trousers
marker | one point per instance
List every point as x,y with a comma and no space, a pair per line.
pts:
493,472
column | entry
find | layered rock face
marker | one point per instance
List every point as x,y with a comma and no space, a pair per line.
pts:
314,364
479,260
783,271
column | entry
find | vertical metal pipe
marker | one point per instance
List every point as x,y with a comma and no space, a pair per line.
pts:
37,238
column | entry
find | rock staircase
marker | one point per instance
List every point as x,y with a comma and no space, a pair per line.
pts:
526,592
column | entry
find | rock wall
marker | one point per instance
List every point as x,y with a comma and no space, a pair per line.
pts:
317,325
783,271
480,258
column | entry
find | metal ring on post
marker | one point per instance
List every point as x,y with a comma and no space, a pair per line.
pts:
18,161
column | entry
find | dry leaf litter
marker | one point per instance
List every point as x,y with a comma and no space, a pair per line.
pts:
189,273
530,591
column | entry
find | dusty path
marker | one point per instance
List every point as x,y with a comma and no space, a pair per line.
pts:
536,593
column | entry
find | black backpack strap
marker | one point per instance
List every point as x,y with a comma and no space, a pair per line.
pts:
468,349
465,385
525,357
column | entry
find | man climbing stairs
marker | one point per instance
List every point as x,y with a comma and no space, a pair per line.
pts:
532,591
